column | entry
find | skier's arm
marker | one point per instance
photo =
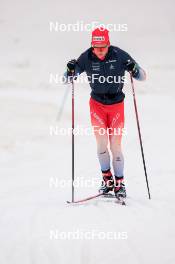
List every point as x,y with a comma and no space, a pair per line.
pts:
137,72
74,69
133,67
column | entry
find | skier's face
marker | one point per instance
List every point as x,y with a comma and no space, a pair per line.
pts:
100,51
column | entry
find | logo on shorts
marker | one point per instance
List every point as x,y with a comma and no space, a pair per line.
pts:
115,119
97,118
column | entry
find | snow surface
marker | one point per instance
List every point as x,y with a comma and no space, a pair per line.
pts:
31,160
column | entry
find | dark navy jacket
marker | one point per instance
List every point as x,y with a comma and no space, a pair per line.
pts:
105,89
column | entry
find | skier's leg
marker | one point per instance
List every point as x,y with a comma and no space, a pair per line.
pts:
116,124
118,166
117,155
99,124
102,151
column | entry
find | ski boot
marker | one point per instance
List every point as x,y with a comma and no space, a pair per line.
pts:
107,183
119,188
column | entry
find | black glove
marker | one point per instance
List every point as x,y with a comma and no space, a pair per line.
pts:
132,67
71,67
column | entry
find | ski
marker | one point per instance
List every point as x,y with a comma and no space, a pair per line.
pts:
121,200
118,200
85,199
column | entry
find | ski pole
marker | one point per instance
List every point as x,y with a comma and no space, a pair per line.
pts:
139,132
73,150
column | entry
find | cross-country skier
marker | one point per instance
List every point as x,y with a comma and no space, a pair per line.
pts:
105,66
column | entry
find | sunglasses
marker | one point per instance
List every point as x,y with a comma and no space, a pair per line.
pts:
103,47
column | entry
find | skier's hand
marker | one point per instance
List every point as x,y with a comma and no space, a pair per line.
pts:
71,67
132,67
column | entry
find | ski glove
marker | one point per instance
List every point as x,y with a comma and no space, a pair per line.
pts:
132,67
71,67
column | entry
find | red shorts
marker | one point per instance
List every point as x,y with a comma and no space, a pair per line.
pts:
107,116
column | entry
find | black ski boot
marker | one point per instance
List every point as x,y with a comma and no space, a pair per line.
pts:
107,183
119,188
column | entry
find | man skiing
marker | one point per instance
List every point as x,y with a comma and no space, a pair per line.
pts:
105,66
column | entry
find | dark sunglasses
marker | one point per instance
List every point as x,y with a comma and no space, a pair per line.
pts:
100,47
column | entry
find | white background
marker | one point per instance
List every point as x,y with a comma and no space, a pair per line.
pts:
30,157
